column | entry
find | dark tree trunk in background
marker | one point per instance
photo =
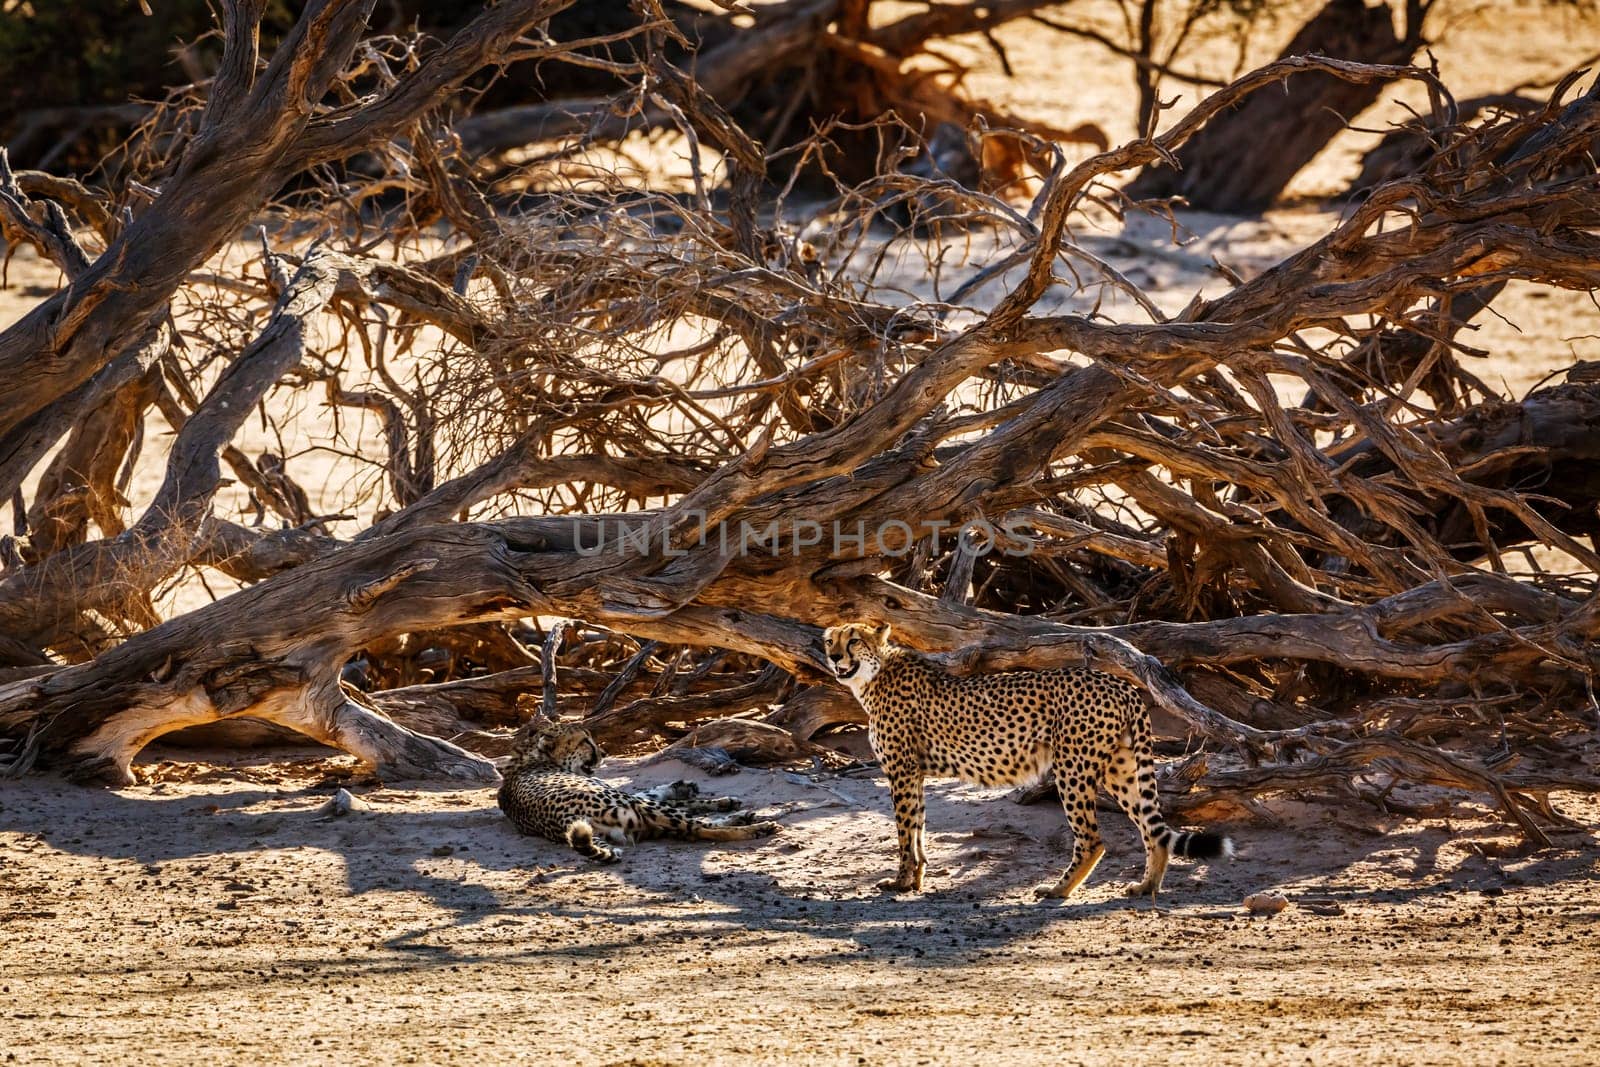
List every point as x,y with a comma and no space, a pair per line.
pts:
1245,157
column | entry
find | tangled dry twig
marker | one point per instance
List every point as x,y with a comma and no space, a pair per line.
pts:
715,423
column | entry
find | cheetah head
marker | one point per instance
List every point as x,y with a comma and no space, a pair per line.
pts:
855,652
559,746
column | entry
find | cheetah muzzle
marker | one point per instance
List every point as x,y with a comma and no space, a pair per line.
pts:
1011,728
548,791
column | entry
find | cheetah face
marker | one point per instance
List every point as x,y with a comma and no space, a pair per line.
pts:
564,746
855,652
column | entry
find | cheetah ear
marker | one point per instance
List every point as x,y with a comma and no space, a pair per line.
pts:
880,634
525,735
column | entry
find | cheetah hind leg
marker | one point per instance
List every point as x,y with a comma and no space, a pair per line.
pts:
1132,782
1087,848
581,836
1084,861
1131,779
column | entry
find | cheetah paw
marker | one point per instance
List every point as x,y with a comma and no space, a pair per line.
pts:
896,885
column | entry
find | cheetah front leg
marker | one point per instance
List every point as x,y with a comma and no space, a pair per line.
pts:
709,806
667,822
669,793
684,798
905,790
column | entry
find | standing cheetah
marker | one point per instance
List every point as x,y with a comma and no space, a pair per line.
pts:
1011,729
548,792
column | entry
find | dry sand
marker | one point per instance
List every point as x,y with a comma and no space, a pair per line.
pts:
212,917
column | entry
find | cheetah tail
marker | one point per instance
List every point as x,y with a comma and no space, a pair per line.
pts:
1202,845
580,835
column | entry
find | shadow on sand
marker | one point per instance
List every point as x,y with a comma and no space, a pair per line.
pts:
980,882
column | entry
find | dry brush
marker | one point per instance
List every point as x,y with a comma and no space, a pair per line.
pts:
708,420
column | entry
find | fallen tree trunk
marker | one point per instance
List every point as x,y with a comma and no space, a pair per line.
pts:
283,664
273,652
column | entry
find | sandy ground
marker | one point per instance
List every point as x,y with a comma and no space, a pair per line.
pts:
213,917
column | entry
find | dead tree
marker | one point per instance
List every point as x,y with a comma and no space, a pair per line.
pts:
658,413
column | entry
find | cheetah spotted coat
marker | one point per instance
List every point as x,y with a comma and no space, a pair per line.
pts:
1010,728
548,792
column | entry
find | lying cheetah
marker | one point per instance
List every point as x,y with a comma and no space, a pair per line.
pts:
548,792
1010,729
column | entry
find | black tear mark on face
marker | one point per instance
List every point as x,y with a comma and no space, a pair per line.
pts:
840,646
